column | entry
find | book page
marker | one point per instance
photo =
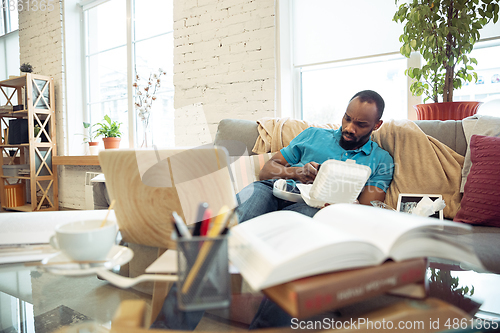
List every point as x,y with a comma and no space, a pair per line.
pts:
284,235
377,226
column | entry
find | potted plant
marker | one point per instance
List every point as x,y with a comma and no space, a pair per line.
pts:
87,138
26,68
36,130
444,33
111,132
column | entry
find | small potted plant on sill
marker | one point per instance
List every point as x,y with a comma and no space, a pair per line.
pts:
87,138
26,68
111,132
444,33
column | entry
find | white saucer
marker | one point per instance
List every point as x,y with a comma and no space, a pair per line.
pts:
117,256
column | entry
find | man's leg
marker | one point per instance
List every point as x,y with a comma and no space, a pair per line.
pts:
257,199
303,208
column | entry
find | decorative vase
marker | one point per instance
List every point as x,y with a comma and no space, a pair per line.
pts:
147,139
111,143
447,110
93,148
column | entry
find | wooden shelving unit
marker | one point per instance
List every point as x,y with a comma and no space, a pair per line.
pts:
35,94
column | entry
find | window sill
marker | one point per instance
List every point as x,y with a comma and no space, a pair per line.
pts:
76,160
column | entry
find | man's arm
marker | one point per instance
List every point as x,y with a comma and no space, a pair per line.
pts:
278,167
371,193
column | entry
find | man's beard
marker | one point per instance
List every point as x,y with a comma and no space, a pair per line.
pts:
355,144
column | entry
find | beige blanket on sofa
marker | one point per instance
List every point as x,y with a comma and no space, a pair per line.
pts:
276,133
422,164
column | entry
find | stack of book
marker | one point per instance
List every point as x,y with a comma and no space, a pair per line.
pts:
365,250
306,297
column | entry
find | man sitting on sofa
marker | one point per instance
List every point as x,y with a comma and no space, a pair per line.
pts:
299,161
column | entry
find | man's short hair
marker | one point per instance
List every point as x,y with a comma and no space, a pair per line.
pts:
371,96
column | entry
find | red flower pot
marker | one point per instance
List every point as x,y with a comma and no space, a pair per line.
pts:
447,110
111,143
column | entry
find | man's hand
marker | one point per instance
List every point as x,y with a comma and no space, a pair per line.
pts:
307,173
278,167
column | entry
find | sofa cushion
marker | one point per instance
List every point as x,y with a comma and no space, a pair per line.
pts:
481,201
245,169
235,134
449,132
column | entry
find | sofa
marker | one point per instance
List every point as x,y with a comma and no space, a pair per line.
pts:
486,240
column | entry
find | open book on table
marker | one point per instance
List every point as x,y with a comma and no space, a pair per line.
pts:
283,246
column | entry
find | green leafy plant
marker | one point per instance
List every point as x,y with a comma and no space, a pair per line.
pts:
110,129
36,129
87,137
26,68
444,33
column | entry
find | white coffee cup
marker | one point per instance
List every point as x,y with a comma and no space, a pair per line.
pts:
85,240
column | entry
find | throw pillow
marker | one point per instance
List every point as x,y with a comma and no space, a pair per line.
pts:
481,201
245,169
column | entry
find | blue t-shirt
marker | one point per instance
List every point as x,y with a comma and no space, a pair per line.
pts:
319,144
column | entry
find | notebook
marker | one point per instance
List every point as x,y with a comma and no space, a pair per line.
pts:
148,185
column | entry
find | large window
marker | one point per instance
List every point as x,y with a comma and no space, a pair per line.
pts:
326,89
9,42
487,88
331,49
109,64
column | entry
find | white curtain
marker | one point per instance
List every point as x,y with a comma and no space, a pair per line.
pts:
328,30
9,55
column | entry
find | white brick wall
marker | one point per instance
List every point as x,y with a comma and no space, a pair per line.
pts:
41,44
224,62
72,185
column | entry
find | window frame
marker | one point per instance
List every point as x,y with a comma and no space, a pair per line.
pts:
6,34
131,41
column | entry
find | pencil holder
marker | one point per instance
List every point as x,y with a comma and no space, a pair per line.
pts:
203,273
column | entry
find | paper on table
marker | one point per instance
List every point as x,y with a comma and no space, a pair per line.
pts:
25,236
37,227
167,263
10,255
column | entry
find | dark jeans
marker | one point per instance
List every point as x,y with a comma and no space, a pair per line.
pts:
257,199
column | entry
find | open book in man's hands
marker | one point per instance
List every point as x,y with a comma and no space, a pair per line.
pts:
283,246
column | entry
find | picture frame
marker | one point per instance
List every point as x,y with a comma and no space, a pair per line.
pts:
407,200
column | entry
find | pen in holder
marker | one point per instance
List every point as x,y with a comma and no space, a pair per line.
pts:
203,273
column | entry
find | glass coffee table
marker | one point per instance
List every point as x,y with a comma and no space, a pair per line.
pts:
32,300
